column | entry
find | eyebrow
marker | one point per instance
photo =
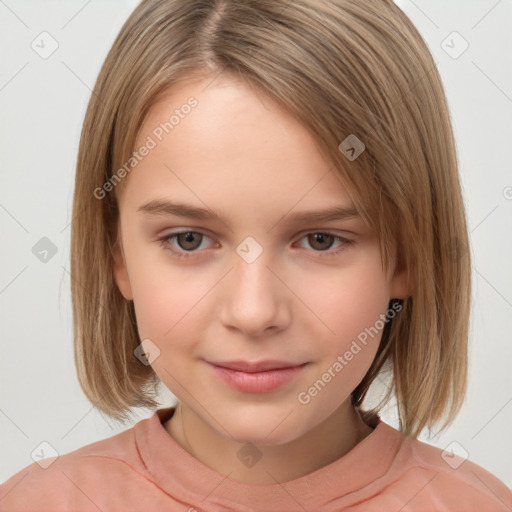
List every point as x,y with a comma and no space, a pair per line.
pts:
164,207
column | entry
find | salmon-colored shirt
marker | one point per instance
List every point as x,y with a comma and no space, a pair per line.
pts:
144,469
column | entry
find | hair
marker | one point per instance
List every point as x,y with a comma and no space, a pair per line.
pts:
340,67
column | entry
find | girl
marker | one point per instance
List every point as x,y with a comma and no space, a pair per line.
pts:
267,218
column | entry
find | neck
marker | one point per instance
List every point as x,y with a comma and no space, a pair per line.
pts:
320,446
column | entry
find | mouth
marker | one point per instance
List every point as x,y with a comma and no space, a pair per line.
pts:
259,377
257,366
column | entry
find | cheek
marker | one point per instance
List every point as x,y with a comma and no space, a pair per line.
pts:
170,305
165,309
159,295
346,301
350,330
348,304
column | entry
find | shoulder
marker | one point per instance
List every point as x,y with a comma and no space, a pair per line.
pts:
423,475
76,480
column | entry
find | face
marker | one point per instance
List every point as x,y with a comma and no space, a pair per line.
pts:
252,280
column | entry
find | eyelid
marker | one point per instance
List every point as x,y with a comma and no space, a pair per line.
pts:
165,241
181,231
300,234
330,231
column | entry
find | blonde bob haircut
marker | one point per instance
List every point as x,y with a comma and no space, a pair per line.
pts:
341,67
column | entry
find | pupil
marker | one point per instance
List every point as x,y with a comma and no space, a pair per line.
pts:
188,239
321,238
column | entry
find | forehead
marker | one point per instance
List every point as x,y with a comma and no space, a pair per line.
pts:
233,146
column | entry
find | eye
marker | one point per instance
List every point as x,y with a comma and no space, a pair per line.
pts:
323,241
187,243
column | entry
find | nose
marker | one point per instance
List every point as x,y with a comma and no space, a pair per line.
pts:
255,301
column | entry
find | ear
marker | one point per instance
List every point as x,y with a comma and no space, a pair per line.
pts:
121,272
401,285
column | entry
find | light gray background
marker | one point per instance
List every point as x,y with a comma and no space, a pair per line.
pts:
42,105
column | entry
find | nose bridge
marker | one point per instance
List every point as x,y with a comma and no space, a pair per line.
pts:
254,298
252,275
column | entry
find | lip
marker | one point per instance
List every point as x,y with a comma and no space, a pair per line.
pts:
257,366
276,374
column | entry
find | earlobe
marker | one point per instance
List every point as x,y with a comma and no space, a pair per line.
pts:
402,285
121,273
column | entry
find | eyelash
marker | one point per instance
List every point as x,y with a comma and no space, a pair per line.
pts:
166,243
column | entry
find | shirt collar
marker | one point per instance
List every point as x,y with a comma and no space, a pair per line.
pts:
186,479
